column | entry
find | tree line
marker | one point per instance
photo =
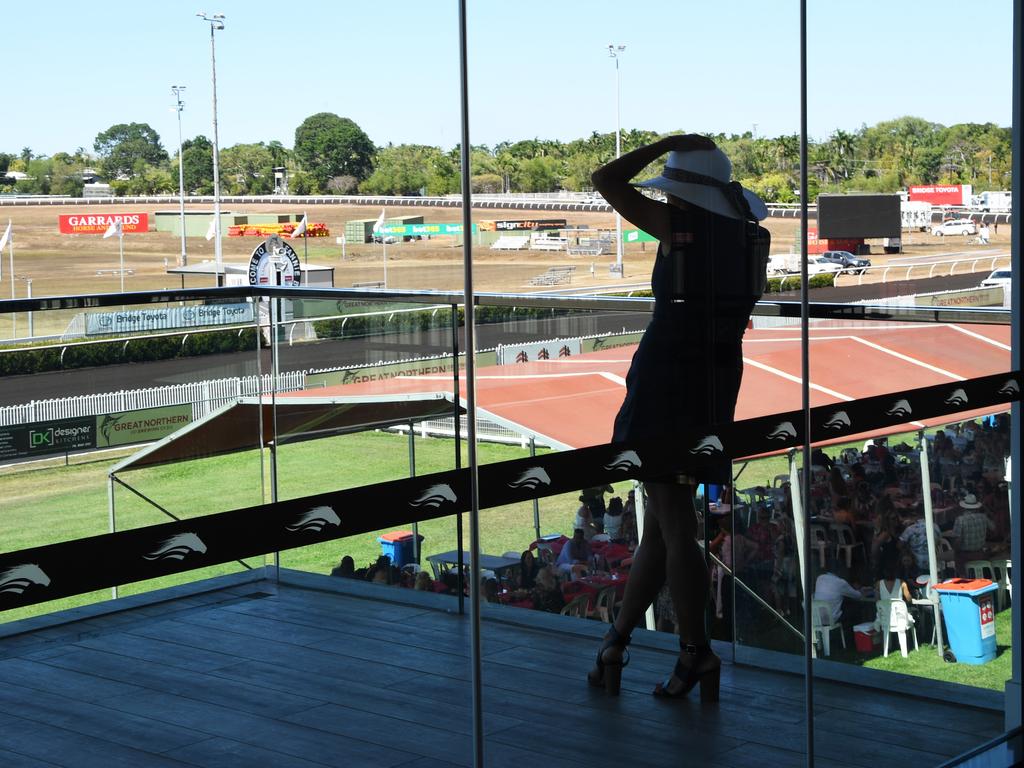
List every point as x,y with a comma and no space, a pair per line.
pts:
333,155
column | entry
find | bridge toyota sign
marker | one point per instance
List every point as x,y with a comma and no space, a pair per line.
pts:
274,262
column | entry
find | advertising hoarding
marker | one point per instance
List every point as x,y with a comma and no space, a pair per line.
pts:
98,223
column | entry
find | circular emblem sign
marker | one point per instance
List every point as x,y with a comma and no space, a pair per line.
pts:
274,262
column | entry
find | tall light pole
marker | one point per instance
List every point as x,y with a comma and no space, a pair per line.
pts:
615,51
216,22
178,106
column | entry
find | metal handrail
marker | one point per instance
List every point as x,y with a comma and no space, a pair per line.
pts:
765,307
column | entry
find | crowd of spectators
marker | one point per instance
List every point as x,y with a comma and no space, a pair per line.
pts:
868,531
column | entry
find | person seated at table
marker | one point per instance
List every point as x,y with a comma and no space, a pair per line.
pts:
574,559
613,518
346,569
489,589
763,533
885,539
821,459
546,594
970,530
914,540
423,582
842,511
837,487
832,587
891,587
584,520
600,537
629,530
528,569
594,499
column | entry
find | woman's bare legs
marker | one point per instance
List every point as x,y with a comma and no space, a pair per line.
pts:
669,552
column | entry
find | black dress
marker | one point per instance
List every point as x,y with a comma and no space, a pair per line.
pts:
687,369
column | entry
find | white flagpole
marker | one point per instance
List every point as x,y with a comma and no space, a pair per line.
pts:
10,245
120,242
14,316
305,240
384,244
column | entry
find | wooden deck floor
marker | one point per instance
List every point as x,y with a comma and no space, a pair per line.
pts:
304,678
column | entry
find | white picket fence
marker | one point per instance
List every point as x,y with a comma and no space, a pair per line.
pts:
204,396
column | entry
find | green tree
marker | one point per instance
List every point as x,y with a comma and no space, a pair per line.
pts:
329,146
401,170
122,146
197,159
247,169
66,175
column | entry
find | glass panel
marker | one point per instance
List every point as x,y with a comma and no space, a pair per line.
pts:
895,181
77,409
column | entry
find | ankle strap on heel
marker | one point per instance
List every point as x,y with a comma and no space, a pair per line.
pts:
695,650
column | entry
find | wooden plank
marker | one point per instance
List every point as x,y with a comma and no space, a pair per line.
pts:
272,734
91,720
73,750
154,649
43,677
263,650
228,753
13,760
202,687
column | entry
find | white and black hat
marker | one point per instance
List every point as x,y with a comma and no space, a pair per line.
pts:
703,177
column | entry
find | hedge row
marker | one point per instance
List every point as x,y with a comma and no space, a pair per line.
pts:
424,320
22,361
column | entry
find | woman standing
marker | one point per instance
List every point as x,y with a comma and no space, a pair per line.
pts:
708,274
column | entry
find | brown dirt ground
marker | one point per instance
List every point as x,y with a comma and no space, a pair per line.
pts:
67,264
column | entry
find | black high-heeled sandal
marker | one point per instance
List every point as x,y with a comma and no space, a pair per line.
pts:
609,673
704,667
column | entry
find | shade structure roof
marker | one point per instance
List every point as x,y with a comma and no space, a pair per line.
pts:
237,425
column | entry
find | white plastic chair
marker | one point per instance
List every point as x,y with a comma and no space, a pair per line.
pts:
927,604
896,619
820,542
846,542
822,624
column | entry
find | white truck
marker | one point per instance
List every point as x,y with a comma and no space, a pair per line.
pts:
992,202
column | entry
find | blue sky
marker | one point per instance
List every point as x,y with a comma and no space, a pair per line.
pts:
537,69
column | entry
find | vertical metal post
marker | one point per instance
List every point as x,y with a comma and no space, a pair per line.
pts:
649,621
275,319
474,491
929,521
217,250
31,326
805,374
536,504
120,244
179,106
458,451
412,473
1014,696
113,521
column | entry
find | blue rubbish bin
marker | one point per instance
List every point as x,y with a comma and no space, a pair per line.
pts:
967,605
398,546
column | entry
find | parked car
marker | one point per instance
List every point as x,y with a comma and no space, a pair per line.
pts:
955,227
847,261
1001,278
817,265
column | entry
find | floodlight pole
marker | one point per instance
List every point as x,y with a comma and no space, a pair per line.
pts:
615,51
180,105
216,22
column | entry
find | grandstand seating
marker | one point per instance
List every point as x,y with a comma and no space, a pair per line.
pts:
554,276
510,243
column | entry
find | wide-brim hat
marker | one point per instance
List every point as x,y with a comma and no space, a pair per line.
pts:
702,177
970,501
